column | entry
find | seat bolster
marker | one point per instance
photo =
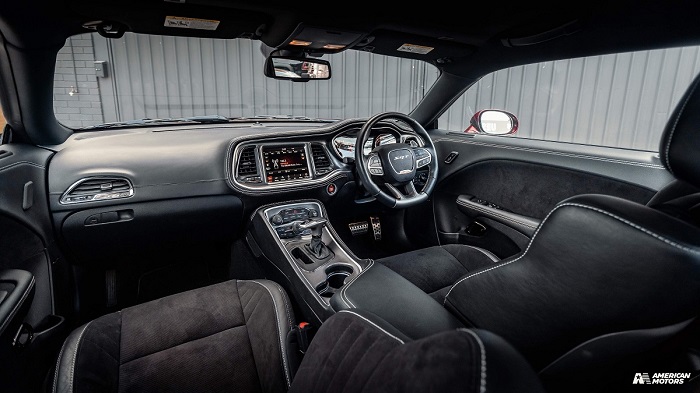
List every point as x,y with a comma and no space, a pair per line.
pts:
357,351
509,371
89,358
268,328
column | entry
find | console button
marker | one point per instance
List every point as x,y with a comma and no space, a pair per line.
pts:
331,189
276,219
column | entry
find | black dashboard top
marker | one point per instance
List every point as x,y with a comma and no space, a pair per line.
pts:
185,161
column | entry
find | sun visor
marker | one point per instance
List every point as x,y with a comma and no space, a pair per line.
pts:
166,18
395,43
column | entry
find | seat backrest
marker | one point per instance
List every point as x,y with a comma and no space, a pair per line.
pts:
356,351
602,277
598,265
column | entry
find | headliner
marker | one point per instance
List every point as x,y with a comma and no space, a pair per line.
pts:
459,39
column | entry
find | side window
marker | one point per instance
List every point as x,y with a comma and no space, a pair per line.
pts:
619,100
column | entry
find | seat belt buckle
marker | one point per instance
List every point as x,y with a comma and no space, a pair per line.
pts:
302,332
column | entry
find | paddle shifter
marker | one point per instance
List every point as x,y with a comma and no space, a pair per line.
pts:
316,248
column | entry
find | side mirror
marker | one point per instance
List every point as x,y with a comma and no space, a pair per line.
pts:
298,69
493,122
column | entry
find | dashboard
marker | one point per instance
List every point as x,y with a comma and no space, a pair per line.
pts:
121,166
194,184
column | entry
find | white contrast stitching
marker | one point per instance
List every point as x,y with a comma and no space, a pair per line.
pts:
21,163
555,153
373,324
482,350
58,363
633,225
675,123
75,356
505,263
279,333
286,306
343,295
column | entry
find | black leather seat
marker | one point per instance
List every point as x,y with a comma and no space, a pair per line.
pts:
601,278
232,337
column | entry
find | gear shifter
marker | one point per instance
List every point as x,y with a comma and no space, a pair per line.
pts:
316,248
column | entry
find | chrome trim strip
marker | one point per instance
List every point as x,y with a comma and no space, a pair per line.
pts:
62,200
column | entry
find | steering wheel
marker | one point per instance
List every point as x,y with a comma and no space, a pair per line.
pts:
394,165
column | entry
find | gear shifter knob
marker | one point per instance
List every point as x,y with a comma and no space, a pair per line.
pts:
316,247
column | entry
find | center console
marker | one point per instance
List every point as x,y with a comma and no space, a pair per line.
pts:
301,244
325,277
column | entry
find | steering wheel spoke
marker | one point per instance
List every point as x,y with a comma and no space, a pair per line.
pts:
423,156
409,191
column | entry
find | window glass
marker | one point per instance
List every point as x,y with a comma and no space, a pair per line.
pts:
618,100
100,80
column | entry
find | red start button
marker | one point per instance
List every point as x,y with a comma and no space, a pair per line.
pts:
331,189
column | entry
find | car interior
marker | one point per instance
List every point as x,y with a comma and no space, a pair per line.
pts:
382,206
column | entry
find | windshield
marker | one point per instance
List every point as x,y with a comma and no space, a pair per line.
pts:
100,80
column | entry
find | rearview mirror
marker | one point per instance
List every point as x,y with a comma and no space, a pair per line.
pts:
493,122
298,69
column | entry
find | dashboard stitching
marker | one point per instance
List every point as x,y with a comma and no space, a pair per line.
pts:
582,156
177,184
22,163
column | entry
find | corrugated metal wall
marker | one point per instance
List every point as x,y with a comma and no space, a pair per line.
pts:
620,100
159,77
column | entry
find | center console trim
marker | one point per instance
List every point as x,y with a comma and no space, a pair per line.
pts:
347,257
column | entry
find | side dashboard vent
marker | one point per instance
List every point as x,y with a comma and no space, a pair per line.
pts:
321,161
98,189
247,168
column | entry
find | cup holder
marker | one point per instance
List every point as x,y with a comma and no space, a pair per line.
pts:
336,276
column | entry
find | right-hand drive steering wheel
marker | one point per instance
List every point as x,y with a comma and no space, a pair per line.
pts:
394,165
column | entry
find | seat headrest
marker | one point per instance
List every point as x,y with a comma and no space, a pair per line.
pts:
680,143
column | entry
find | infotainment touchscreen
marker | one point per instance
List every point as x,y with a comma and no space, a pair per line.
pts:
285,163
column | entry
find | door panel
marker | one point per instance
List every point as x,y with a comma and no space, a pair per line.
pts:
509,185
27,243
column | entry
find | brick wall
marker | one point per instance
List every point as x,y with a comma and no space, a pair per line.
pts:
75,71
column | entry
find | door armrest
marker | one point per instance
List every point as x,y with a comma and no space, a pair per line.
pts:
526,225
16,293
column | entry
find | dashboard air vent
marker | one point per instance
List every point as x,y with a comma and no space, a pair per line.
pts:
247,166
321,161
98,189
